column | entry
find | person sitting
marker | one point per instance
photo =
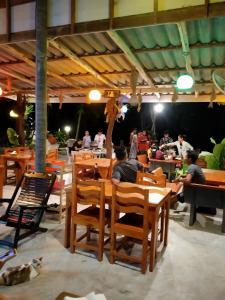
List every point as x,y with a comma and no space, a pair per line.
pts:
182,146
86,140
99,139
77,145
51,143
166,139
194,173
124,169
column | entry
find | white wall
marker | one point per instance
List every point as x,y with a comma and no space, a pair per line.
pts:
2,21
132,7
89,10
58,12
23,17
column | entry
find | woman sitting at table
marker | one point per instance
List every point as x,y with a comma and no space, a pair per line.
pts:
124,169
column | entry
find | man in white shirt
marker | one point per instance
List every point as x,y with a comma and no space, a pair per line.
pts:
182,146
86,140
99,139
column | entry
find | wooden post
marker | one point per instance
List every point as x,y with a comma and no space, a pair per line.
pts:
112,112
41,86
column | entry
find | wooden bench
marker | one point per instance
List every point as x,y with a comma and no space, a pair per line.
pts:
204,196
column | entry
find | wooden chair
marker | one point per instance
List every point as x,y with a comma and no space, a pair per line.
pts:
27,205
95,216
132,201
151,179
52,154
143,159
157,180
11,166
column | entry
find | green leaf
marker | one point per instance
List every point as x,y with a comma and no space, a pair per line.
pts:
212,162
12,137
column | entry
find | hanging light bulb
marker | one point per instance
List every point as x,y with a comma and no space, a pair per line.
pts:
124,109
95,95
185,82
13,114
158,108
1,91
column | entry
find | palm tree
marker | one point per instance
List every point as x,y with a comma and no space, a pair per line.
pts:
41,86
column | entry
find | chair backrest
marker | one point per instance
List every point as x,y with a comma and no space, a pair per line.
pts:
33,189
52,154
22,150
142,158
88,155
129,199
158,171
151,179
90,192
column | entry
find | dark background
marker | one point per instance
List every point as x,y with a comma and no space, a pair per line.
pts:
195,120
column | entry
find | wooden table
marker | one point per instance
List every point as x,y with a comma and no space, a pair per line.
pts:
156,201
21,159
168,165
214,177
103,165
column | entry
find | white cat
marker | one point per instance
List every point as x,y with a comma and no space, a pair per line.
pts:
22,273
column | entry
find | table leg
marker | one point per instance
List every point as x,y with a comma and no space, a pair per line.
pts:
167,221
154,211
67,220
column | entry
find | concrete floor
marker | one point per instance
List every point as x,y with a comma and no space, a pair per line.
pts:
192,267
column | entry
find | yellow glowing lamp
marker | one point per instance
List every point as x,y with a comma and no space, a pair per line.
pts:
94,95
1,91
13,114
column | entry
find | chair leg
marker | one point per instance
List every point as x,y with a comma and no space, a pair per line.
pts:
112,247
101,245
73,237
88,233
162,221
144,255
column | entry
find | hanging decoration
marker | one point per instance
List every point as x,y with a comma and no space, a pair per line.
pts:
133,84
9,84
60,100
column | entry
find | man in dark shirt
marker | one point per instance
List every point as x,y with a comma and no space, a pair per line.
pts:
124,169
194,172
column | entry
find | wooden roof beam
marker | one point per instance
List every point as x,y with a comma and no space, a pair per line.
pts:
185,47
17,76
82,63
130,56
24,57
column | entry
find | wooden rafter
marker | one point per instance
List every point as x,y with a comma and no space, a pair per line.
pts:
22,56
130,56
73,56
185,46
17,76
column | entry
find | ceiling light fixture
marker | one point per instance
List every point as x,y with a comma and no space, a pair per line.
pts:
184,82
95,95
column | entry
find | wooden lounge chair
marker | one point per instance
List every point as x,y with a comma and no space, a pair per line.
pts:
27,205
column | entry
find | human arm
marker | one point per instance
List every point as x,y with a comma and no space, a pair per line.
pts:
116,175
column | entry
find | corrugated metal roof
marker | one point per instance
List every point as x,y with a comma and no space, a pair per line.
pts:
151,45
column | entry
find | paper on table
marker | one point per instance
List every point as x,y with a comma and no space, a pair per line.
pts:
91,296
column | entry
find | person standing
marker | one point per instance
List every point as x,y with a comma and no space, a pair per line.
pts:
86,140
134,145
182,146
100,139
166,139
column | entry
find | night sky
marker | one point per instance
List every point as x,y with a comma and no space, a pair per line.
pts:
195,120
